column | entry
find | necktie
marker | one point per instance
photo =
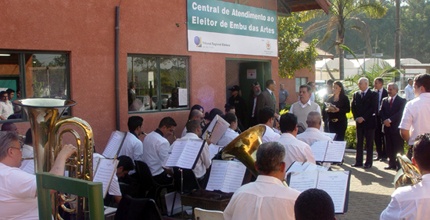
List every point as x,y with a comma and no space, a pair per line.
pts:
391,102
362,94
274,99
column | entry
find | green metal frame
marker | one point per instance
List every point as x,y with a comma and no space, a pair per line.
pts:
93,191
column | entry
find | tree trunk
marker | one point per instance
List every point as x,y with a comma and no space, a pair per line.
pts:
341,64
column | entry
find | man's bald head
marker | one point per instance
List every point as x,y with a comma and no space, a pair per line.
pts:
9,126
314,119
196,115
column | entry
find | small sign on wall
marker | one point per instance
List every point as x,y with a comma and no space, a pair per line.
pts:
251,74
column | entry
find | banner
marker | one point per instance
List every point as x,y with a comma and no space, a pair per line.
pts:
223,27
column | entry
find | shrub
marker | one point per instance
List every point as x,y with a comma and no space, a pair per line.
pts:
350,137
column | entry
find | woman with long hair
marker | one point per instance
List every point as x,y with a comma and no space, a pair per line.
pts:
337,105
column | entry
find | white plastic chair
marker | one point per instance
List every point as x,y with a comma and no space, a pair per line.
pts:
203,214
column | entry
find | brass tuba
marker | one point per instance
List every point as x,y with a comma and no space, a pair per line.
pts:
244,147
408,175
45,119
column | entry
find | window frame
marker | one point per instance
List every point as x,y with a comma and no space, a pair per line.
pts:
21,75
158,75
297,87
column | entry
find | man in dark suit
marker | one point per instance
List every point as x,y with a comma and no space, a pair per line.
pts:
379,136
391,112
364,107
256,91
267,97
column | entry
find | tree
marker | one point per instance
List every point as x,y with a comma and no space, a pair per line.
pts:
289,38
342,18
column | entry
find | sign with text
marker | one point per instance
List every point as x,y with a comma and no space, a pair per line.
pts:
222,27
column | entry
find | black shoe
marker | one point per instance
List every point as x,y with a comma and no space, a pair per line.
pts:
390,168
367,166
356,165
377,158
383,159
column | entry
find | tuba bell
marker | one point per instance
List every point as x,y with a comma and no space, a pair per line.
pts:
46,124
408,175
244,147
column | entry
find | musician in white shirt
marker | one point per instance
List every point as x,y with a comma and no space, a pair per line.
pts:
156,149
267,197
266,116
195,114
413,202
295,149
416,115
313,134
231,133
132,146
194,131
409,90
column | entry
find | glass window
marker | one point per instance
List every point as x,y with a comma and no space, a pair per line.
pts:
300,81
27,74
157,83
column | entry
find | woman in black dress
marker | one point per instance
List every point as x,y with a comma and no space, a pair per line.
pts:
337,106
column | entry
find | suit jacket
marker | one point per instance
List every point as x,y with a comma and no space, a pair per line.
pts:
394,113
366,107
384,94
265,99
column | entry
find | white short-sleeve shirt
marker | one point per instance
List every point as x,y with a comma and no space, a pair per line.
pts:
270,135
17,194
416,116
155,151
227,137
312,135
295,150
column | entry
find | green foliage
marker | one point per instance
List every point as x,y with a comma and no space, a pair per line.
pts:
289,57
350,137
285,110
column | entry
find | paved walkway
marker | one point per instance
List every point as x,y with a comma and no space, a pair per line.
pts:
370,189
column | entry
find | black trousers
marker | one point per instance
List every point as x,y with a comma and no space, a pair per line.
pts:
380,140
339,128
369,134
394,145
163,179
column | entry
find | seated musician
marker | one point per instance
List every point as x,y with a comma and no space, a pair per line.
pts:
266,116
156,148
314,204
313,133
267,197
194,131
231,133
18,189
413,202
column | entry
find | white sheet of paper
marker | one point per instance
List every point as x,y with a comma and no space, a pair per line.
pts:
335,151
27,166
302,181
175,152
183,96
297,167
217,174
211,126
219,129
234,176
330,135
113,144
226,176
213,150
319,149
335,183
190,154
104,173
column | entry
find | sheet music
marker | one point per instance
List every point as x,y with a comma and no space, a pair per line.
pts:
211,126
319,149
96,159
27,166
184,153
330,135
226,176
335,151
113,145
234,176
190,154
213,150
219,129
175,152
217,174
335,183
105,171
302,181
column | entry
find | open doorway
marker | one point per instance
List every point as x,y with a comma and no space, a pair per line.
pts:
243,73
